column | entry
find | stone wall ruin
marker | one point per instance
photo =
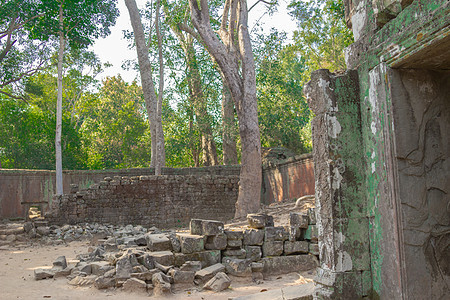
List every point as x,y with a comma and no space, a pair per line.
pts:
381,154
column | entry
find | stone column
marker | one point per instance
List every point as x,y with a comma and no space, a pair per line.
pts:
344,271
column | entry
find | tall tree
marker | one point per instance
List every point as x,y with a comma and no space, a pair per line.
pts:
233,54
20,55
77,23
153,101
197,97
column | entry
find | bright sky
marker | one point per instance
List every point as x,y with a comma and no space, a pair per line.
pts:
114,50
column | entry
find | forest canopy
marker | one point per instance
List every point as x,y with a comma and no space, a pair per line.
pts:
105,123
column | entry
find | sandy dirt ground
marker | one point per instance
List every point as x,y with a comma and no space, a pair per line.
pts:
19,260
17,281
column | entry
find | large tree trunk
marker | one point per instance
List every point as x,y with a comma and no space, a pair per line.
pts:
152,101
58,151
228,127
233,54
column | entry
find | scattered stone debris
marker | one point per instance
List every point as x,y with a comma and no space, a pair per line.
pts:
153,261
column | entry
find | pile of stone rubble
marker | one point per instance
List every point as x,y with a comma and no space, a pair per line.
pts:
152,261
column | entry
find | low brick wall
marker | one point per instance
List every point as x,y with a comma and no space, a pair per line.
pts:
289,179
162,201
19,187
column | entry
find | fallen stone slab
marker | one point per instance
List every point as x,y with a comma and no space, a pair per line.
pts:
182,276
83,281
161,285
100,267
207,258
207,273
135,285
191,266
218,283
158,242
40,274
294,292
103,282
285,264
165,258
268,295
60,262
299,292
238,267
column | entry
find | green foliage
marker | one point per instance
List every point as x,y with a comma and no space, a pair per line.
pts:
283,111
114,128
20,55
27,138
83,20
322,34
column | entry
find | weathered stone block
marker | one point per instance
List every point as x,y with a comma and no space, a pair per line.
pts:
314,249
253,253
161,285
259,221
191,243
275,234
253,237
165,258
60,263
182,276
103,282
216,242
257,266
207,258
236,253
100,267
191,266
312,215
272,248
234,234
43,274
237,267
212,227
286,264
295,233
234,243
134,285
218,283
298,220
312,233
297,247
207,273
158,242
196,227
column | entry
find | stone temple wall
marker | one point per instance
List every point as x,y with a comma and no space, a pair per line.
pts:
162,201
381,155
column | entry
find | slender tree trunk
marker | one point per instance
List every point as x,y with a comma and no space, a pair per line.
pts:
233,54
198,99
159,129
58,151
228,127
152,101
